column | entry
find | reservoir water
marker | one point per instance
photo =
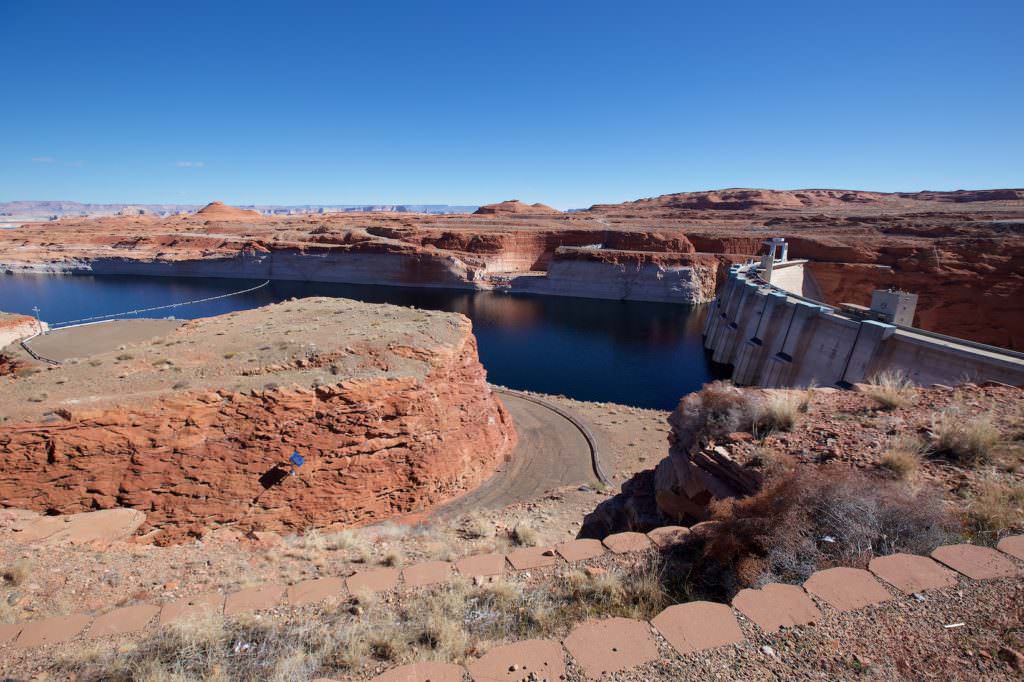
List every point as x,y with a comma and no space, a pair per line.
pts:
643,354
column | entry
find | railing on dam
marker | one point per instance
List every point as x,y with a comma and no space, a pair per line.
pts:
775,338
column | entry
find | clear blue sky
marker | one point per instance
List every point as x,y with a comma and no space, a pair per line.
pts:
569,103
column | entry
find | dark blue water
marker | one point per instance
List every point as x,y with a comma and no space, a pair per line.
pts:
644,354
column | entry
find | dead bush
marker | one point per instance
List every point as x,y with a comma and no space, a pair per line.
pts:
719,408
808,520
890,389
967,439
525,535
996,508
17,571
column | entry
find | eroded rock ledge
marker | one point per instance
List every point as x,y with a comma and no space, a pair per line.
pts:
389,407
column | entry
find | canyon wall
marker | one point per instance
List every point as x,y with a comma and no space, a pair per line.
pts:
387,423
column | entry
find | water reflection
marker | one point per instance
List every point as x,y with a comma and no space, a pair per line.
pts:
645,354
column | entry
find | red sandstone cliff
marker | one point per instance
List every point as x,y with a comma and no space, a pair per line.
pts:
392,418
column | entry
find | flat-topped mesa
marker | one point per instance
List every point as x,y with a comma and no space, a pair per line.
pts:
388,406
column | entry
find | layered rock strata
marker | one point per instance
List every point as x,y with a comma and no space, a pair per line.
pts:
389,407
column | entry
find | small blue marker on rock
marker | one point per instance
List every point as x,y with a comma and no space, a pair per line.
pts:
296,460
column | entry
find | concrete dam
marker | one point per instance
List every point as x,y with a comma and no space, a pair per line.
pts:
767,323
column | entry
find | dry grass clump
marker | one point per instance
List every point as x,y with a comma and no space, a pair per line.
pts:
806,520
716,410
903,456
475,526
890,389
996,508
782,409
17,572
525,535
969,440
393,558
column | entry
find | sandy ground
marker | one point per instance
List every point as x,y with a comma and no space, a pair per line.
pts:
79,342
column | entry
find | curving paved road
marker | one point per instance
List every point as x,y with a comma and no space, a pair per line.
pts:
551,453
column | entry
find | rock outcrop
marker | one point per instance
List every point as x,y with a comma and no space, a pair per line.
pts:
516,206
389,407
218,210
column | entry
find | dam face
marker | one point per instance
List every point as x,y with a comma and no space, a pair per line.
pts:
777,337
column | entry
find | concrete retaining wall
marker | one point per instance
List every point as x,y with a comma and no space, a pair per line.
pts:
776,338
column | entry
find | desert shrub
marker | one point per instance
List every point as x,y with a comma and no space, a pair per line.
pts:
525,535
903,456
969,440
996,508
805,520
17,571
719,408
781,410
890,389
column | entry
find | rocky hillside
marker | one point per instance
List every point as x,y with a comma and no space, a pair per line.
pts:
388,406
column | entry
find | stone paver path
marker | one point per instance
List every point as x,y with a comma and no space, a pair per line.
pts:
531,659
376,580
621,543
580,550
846,589
669,536
608,646
698,625
978,563
532,557
312,591
192,607
265,596
601,647
124,621
423,672
910,573
427,573
1013,545
52,630
776,606
481,565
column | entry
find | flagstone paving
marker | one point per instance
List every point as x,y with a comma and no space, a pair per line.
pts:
532,557
978,563
608,646
621,543
427,573
599,646
192,607
698,625
265,596
910,573
776,606
481,565
846,589
1013,545
312,591
52,630
376,580
423,672
531,659
124,621
580,550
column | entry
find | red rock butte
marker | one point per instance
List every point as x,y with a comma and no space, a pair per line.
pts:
388,406
217,210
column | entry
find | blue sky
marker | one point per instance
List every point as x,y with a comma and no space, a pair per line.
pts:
562,102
